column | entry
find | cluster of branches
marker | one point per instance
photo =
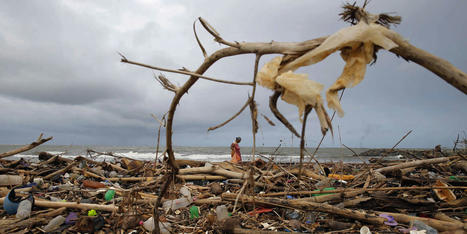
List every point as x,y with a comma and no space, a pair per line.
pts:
290,51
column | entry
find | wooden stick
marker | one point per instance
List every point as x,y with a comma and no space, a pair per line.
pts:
273,107
302,140
233,117
201,177
72,205
129,179
278,194
61,171
124,60
39,141
306,205
437,224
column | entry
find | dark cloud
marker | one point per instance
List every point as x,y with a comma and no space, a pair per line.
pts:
60,73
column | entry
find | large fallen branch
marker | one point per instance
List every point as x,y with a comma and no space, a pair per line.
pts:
306,205
415,164
39,141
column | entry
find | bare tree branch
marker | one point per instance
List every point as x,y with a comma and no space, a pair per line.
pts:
166,83
185,73
273,106
38,142
233,117
199,42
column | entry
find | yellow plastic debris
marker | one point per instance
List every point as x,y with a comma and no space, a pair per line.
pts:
267,74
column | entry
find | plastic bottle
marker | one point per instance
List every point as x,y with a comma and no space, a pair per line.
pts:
365,230
54,223
24,209
222,212
163,227
176,204
109,195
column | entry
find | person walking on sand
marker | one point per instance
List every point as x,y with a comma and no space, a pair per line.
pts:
235,151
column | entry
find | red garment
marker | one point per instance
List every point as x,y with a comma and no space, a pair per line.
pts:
235,153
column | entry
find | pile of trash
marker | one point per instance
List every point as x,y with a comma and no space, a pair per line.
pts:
89,195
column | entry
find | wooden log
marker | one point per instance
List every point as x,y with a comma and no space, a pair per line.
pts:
213,169
437,224
307,205
444,217
72,205
415,164
24,223
439,66
191,163
39,141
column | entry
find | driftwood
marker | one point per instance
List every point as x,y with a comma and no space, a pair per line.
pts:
415,164
61,171
201,177
214,169
438,224
358,190
306,205
39,141
72,205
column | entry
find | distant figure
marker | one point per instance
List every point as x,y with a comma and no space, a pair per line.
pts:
235,151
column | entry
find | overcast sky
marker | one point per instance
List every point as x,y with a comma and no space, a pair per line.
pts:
60,73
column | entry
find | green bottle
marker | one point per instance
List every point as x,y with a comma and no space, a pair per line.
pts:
194,212
109,195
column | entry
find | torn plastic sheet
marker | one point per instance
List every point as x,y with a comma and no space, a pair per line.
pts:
352,74
300,91
268,73
351,36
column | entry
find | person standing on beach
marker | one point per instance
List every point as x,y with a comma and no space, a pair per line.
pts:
235,151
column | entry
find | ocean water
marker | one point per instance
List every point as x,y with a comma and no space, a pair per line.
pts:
213,154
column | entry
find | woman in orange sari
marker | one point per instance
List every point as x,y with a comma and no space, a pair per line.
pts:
235,151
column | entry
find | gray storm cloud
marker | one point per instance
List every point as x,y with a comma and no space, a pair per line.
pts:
60,72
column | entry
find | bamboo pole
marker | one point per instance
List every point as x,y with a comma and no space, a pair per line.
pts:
73,205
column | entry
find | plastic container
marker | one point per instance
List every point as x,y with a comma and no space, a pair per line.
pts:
24,209
11,202
163,227
186,192
222,212
365,230
176,204
422,226
109,195
54,223
8,180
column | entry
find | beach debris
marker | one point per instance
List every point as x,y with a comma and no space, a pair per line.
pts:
444,194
